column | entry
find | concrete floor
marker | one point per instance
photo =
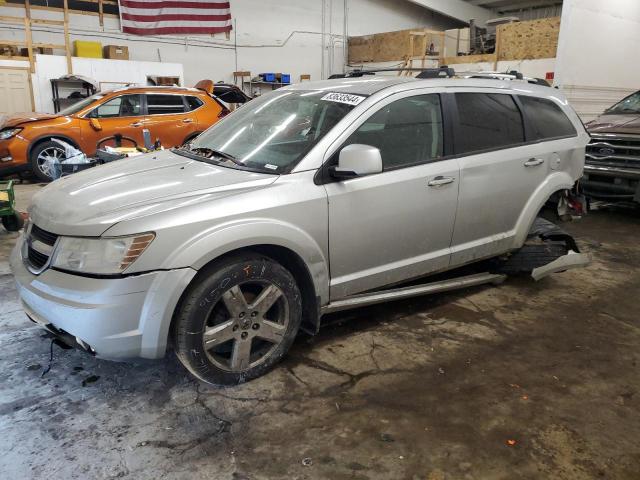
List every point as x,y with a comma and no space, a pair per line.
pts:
525,380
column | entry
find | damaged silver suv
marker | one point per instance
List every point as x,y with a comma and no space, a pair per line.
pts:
314,198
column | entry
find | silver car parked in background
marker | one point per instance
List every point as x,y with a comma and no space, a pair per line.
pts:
304,201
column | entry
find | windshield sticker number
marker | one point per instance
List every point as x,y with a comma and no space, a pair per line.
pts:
271,167
343,98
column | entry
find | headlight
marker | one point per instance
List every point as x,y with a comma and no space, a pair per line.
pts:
100,256
8,133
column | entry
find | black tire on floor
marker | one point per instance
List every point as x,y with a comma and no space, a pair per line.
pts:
13,223
35,153
229,304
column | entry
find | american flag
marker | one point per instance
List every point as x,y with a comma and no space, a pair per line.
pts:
166,17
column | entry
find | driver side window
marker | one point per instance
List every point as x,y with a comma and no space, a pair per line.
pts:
122,106
407,132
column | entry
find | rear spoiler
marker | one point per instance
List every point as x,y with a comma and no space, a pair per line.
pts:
226,92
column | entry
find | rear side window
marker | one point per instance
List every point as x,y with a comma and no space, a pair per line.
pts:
407,131
546,119
487,121
164,104
193,102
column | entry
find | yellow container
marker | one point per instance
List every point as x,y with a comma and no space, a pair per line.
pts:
87,49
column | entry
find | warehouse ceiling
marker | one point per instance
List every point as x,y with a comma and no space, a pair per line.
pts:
507,6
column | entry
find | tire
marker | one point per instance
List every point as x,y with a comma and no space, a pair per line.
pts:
13,223
39,153
248,308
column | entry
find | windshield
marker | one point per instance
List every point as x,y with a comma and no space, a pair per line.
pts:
631,104
76,107
274,132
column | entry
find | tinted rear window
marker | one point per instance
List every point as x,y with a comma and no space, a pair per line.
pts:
487,121
547,120
163,104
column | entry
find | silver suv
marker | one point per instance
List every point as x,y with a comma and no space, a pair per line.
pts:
314,198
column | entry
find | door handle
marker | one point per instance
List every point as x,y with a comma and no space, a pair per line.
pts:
439,181
136,124
533,162
187,120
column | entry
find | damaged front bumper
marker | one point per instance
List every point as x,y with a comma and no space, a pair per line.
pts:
112,318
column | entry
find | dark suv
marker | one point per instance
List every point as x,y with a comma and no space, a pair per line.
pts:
612,165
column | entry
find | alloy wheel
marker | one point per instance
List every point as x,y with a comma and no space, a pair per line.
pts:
46,157
246,325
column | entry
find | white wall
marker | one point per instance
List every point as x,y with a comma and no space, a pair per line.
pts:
597,53
122,71
272,35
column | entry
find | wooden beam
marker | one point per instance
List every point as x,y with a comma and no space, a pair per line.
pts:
8,19
101,12
67,42
27,34
23,43
13,57
47,22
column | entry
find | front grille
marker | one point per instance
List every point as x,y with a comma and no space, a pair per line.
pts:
45,237
38,248
36,259
613,150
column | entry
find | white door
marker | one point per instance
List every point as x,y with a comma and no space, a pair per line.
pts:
395,225
15,91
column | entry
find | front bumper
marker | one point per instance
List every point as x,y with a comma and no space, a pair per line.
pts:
611,183
13,156
115,318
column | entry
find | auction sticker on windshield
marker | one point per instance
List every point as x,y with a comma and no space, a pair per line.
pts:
343,98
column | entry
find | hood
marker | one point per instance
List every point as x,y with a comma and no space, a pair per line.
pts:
16,119
89,202
615,123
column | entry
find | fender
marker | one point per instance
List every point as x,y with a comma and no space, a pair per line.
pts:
559,180
49,136
227,237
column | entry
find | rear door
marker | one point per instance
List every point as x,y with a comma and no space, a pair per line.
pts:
395,225
169,118
498,173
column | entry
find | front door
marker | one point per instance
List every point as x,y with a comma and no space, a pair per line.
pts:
395,225
169,119
119,115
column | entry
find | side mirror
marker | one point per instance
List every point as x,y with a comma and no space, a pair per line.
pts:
95,124
356,161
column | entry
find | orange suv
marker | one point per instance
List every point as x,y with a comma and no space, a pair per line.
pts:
175,115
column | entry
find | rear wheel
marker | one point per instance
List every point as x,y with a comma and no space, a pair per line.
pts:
43,156
238,320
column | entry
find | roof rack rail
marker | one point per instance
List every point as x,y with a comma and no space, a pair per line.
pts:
445,71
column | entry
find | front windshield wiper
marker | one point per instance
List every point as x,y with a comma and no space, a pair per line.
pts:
210,152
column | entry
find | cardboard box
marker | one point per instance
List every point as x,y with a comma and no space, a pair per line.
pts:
87,49
8,50
36,50
116,52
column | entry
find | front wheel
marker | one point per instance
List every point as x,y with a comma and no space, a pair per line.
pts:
237,320
45,158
